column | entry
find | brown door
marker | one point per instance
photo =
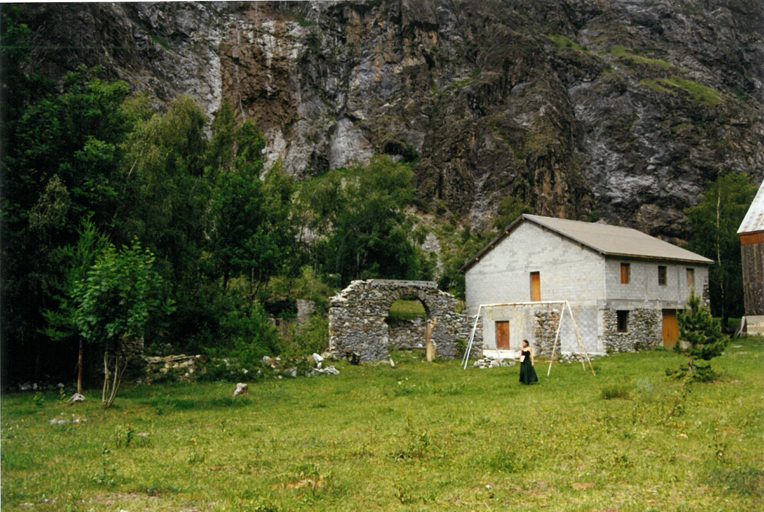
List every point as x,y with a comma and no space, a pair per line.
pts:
502,335
670,328
535,286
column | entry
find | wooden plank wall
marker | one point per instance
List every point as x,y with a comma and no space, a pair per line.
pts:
753,278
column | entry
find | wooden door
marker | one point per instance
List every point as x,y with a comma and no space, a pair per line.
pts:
670,328
502,335
535,286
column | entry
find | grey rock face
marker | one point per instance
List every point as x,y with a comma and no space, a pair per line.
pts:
625,108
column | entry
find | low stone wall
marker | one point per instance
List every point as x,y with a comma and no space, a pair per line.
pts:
644,330
175,368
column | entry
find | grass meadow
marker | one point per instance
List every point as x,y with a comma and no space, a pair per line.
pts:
417,437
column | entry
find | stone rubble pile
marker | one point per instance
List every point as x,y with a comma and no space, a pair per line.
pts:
571,358
181,366
487,362
75,420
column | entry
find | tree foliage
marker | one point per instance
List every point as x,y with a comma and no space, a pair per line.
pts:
120,298
715,221
202,221
361,214
59,167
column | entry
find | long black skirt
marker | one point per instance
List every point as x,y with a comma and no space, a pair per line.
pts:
528,372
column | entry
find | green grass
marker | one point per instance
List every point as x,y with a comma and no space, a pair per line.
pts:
407,310
563,43
417,437
699,93
161,42
629,58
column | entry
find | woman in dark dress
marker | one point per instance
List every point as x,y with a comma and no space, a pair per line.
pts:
527,372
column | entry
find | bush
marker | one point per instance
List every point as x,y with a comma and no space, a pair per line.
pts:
303,340
614,391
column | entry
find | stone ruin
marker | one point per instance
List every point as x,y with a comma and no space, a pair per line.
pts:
358,326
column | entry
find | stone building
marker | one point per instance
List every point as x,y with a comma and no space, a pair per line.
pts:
624,287
751,234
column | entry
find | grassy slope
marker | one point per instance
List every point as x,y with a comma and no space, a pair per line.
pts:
421,437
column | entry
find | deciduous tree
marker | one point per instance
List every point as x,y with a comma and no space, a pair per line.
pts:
115,304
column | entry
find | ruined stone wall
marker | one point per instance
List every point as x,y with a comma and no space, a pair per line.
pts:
357,317
644,330
407,334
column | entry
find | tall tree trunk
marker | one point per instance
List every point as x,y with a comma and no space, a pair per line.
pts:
105,376
719,255
79,367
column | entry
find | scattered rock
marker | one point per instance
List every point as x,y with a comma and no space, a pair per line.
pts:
325,371
318,358
487,362
241,389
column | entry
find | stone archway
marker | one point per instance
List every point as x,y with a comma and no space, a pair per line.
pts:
357,317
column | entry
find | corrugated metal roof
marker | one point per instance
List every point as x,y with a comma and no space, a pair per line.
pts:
617,240
754,219
603,238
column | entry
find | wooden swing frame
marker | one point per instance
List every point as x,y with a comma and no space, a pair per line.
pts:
565,305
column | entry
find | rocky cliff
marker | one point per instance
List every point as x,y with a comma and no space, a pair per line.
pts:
623,107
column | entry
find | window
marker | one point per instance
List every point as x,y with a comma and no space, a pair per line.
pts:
661,275
691,278
623,321
625,273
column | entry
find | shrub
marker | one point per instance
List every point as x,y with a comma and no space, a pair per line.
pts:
614,391
307,338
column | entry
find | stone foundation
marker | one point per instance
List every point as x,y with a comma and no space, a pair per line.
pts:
644,330
545,330
464,331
